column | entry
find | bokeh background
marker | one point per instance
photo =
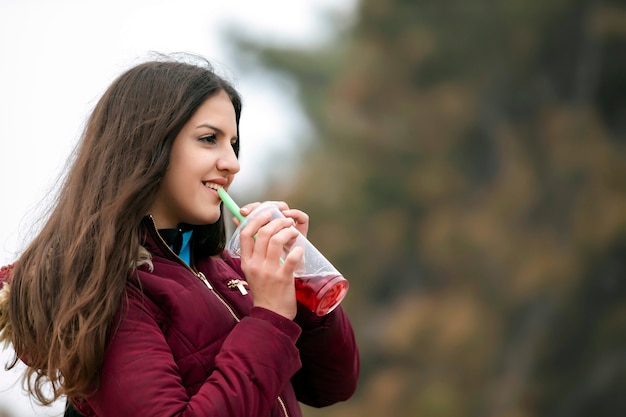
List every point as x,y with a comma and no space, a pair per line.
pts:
463,166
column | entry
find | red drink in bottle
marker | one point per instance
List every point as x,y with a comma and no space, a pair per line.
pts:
321,293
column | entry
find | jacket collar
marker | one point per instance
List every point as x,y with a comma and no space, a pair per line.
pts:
153,241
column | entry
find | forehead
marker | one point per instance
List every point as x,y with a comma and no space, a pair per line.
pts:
218,107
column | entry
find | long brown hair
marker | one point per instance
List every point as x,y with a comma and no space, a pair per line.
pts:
69,283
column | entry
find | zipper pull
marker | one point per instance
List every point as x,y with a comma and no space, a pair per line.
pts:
239,284
203,278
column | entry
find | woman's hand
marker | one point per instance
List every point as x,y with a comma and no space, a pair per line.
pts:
300,218
262,242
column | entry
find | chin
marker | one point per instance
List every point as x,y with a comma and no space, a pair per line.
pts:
203,217
209,219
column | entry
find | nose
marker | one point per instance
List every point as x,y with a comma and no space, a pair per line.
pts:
227,160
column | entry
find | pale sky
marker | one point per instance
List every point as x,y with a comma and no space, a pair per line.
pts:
57,57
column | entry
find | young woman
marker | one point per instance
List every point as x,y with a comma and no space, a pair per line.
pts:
126,302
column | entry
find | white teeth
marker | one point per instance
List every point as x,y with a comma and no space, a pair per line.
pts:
212,185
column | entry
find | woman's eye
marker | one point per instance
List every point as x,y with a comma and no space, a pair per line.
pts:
208,138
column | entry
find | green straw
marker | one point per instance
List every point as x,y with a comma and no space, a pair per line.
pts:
230,204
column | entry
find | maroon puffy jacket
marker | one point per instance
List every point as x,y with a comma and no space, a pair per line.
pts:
184,346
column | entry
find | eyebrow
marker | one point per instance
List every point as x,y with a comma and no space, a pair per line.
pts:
217,129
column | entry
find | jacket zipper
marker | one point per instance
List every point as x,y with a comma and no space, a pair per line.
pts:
204,279
219,297
238,284
283,406
198,274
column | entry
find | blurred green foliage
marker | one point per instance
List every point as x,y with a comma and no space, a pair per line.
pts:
468,178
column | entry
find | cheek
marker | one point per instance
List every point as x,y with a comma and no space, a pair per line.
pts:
181,170
174,183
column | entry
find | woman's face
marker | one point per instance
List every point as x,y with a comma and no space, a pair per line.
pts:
202,158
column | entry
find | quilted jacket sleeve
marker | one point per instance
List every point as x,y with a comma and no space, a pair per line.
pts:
140,377
5,335
5,271
329,355
330,359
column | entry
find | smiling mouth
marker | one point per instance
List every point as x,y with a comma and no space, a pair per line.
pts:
212,185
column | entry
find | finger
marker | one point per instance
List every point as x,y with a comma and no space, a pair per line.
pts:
282,239
265,234
248,233
248,208
300,218
298,215
244,211
293,260
282,206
